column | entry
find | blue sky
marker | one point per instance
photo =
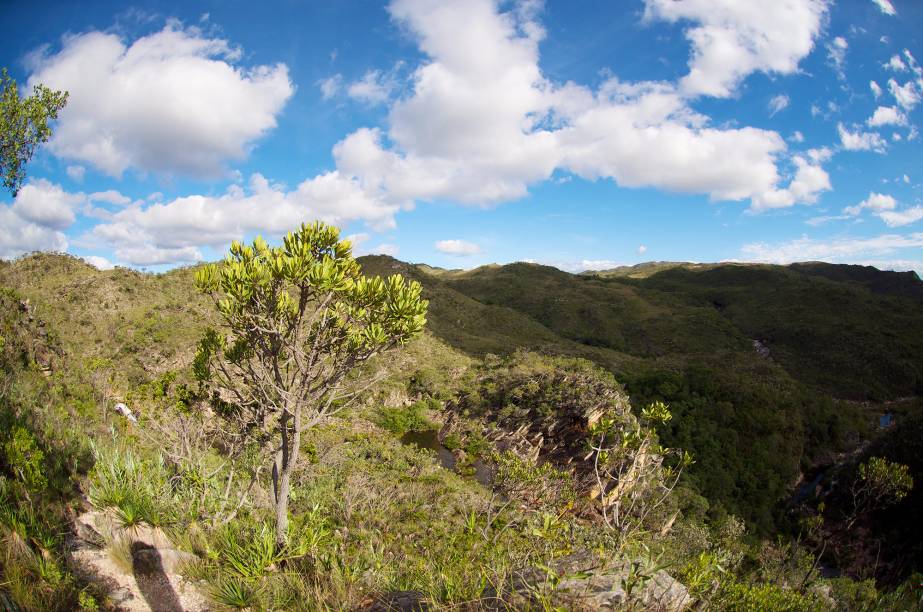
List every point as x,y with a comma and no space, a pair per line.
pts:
582,135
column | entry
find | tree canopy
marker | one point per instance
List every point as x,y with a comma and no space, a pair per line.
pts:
24,124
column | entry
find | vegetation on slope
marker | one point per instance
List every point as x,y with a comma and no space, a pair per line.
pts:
371,516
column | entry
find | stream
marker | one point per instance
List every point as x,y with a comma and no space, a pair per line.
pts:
430,440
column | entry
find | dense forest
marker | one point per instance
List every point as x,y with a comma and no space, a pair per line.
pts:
764,403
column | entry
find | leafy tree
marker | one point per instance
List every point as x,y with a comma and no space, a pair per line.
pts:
878,484
628,464
296,322
24,126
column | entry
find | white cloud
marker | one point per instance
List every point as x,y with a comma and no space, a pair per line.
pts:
482,123
836,53
330,86
815,221
885,207
582,265
36,219
733,39
110,196
359,240
145,234
778,103
169,102
886,7
898,218
820,155
459,248
374,87
886,115
98,262
76,173
18,236
837,250
876,202
145,255
46,204
384,248
642,249
876,89
896,64
907,95
809,181
479,124
906,179
861,141
797,136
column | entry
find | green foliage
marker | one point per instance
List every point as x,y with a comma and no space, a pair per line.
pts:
24,458
24,126
410,418
40,455
884,480
297,321
720,589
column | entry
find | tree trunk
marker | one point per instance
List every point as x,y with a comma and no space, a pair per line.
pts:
284,465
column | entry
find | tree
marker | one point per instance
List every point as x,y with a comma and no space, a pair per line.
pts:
878,484
24,126
296,321
628,464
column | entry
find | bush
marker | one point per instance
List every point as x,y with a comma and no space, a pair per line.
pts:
411,418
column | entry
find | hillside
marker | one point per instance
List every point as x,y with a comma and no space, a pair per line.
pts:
755,423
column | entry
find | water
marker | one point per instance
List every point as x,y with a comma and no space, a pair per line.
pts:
430,440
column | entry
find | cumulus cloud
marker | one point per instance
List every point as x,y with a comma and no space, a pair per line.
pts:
149,233
374,87
110,196
837,250
18,236
170,102
885,208
385,248
460,248
733,39
76,173
479,122
907,95
885,7
896,64
36,219
642,249
46,204
778,103
876,202
861,141
482,122
887,115
898,218
98,262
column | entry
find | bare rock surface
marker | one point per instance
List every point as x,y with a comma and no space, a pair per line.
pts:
142,575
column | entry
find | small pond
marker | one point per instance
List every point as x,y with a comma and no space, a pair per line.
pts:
430,440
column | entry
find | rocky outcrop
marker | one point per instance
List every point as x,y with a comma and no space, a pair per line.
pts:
582,582
137,566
